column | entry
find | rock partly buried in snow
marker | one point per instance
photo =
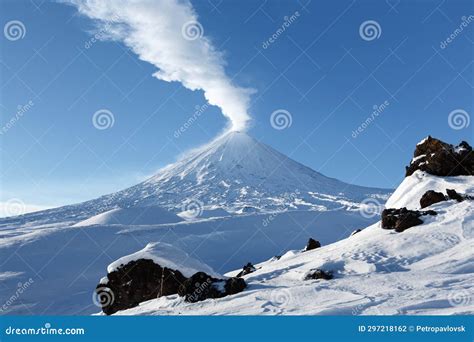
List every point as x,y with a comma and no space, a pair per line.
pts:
319,274
132,216
312,244
454,195
202,286
441,159
431,197
157,270
249,268
355,232
402,219
136,282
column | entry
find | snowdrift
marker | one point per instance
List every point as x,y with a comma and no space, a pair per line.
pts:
132,216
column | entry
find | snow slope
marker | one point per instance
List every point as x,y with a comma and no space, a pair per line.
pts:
132,216
427,269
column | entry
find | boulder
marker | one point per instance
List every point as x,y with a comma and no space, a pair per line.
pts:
454,195
431,197
402,219
202,286
319,274
441,159
249,268
135,282
355,232
312,244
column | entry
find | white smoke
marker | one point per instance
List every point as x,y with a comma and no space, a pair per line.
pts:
167,34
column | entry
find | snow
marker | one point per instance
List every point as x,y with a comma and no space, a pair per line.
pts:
165,255
425,270
410,191
134,215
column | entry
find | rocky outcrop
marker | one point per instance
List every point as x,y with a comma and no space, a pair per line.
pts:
136,282
249,268
402,219
441,159
454,195
319,274
312,244
431,197
202,286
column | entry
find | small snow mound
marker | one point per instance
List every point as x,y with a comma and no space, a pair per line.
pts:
132,216
168,256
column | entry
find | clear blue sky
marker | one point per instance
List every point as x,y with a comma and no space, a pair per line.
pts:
320,70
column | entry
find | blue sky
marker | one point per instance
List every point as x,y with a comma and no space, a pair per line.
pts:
320,70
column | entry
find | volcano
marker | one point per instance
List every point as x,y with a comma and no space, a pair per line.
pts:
234,173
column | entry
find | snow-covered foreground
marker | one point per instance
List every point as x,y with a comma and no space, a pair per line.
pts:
66,263
427,269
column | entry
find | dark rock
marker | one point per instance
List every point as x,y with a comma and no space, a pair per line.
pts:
441,159
312,244
136,282
249,268
355,232
454,195
319,274
202,286
431,197
402,219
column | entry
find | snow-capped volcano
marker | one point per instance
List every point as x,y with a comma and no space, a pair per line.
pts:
234,172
